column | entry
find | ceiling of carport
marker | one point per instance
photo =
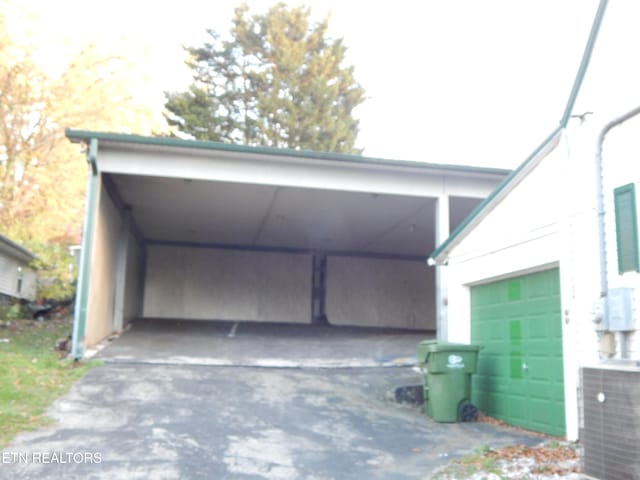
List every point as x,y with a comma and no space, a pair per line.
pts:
194,211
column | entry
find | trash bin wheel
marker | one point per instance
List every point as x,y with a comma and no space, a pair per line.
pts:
467,412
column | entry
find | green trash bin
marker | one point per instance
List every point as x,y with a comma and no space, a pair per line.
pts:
447,370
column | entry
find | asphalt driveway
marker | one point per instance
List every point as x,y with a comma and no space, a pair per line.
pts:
163,420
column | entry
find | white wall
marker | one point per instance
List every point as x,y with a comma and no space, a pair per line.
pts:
29,284
524,233
102,285
380,293
9,278
132,307
204,283
551,219
621,165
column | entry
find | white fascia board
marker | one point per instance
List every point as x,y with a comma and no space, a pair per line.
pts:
274,170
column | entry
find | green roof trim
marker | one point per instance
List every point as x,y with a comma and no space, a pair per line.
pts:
509,182
475,216
86,136
584,63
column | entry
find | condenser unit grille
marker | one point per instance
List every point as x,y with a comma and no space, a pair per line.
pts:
611,432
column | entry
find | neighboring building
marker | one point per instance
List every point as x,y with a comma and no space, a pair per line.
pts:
17,280
195,230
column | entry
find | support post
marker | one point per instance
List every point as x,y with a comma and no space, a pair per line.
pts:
442,233
84,270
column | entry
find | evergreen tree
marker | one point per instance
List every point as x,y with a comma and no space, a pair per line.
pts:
278,81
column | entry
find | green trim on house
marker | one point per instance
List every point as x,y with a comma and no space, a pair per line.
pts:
84,135
584,64
511,181
502,189
624,199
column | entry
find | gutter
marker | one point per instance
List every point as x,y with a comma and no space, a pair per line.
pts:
84,270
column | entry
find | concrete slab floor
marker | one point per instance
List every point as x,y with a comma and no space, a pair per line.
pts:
263,345
141,421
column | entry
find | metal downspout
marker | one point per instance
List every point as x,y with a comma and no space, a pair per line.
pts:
602,241
82,292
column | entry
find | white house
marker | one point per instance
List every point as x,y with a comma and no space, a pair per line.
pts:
544,275
17,280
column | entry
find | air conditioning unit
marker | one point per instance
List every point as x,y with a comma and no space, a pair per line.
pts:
611,420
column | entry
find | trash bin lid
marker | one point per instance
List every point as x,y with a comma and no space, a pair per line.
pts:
451,347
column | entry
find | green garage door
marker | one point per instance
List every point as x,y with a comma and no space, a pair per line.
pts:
518,324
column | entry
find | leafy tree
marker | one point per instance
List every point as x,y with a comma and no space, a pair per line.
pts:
42,175
278,81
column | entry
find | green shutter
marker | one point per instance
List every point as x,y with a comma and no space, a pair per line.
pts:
626,228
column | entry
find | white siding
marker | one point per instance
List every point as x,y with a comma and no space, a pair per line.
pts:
8,275
9,278
29,285
522,234
621,163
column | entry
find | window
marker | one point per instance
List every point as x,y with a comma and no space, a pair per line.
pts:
19,286
626,228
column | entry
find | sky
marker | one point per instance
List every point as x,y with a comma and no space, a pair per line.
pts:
458,81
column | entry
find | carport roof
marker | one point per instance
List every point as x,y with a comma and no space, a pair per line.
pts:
120,138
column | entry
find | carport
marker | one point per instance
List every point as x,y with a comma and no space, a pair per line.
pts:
182,229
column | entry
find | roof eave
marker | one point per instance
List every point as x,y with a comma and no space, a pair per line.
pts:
83,136
440,256
16,250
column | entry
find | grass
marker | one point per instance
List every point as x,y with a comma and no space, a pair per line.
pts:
478,461
553,458
32,374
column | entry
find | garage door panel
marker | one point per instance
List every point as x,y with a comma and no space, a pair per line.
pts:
518,408
517,322
380,292
496,401
539,327
204,283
